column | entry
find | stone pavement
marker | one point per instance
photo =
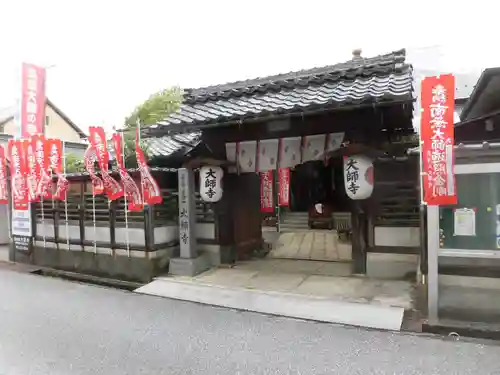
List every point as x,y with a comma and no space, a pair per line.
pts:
312,245
312,278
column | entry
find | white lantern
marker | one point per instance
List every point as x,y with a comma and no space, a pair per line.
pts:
358,176
211,183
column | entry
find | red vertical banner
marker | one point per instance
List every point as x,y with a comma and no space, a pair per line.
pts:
4,196
284,186
437,135
54,162
32,116
18,175
97,138
31,177
131,190
150,188
266,192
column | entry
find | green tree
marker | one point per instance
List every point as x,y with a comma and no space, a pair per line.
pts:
74,164
154,109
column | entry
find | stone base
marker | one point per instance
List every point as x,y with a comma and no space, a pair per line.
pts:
118,266
189,266
391,266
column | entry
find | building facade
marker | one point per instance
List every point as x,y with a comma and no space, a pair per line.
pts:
57,125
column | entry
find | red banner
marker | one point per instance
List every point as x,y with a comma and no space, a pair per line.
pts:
54,163
4,196
150,188
31,177
266,192
90,158
33,99
438,105
18,175
97,138
284,186
131,190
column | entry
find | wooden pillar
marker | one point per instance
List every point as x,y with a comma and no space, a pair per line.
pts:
359,229
224,221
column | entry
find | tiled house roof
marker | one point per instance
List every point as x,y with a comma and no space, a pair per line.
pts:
170,144
360,80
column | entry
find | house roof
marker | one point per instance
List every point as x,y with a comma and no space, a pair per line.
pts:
361,80
484,99
76,128
168,145
8,114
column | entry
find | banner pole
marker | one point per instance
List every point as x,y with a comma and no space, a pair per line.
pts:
125,198
66,200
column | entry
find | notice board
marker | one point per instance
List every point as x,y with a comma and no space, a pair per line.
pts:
473,223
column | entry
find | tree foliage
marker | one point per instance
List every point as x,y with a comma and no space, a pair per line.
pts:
156,108
74,164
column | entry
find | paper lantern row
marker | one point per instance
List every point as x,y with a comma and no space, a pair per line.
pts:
35,160
271,154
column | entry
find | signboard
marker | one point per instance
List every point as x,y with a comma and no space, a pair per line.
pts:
33,99
187,212
464,222
284,186
437,136
21,222
266,192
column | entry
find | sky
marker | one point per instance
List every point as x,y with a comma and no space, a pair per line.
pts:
107,56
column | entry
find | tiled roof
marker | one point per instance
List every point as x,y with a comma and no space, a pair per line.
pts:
360,80
167,145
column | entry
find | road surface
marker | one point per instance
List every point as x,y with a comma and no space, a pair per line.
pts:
51,326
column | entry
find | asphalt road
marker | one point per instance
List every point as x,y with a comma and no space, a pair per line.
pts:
51,326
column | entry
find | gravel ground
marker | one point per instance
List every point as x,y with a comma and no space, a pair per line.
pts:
51,326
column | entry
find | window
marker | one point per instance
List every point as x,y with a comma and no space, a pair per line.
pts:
47,120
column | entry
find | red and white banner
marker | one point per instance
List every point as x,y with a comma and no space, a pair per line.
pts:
97,137
32,116
89,159
437,135
131,190
29,159
284,186
54,164
266,192
18,175
41,174
150,188
4,196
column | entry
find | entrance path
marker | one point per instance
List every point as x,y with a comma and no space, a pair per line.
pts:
312,278
320,291
310,245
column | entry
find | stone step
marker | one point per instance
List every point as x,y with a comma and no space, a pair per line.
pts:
295,214
294,221
299,306
293,226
